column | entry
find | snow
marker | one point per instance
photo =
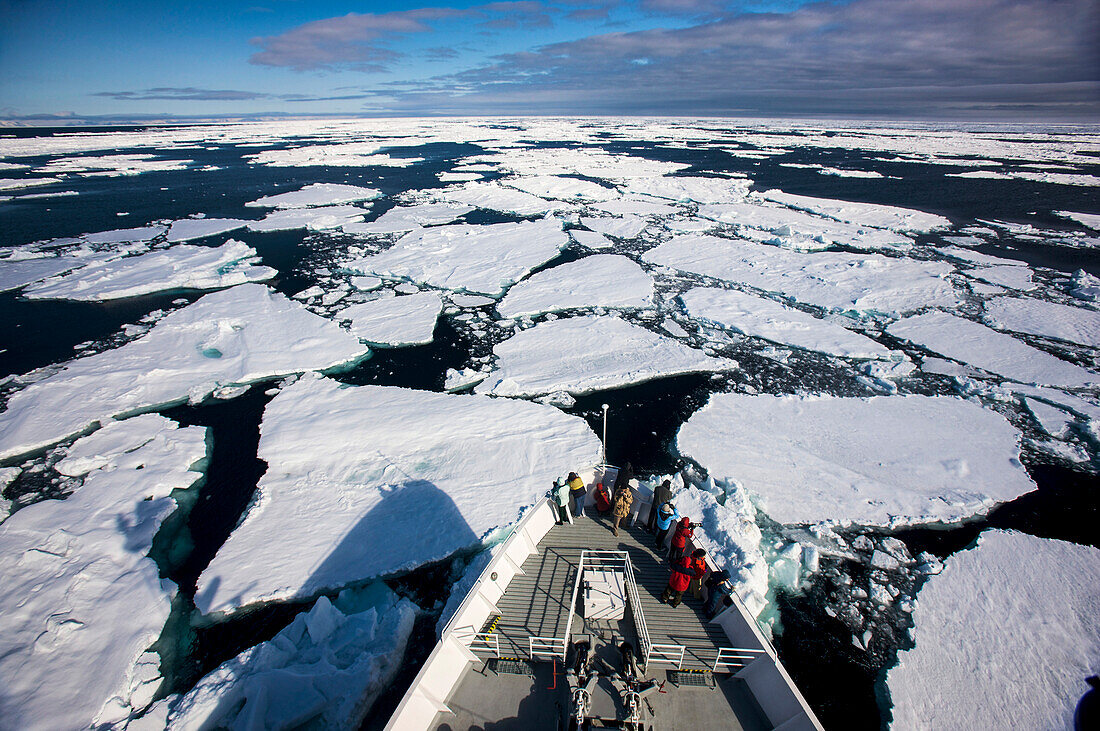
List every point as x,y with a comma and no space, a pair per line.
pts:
188,229
477,259
870,283
795,229
372,480
864,214
407,218
626,227
580,355
601,280
1054,421
324,670
562,188
591,239
1004,637
1089,220
232,337
635,206
81,601
314,219
1013,277
977,345
179,267
395,321
16,274
764,318
1049,319
886,460
495,197
317,194
685,189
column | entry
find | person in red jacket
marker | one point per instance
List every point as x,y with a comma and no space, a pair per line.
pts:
684,531
684,570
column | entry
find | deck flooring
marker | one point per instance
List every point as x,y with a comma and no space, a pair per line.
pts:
535,603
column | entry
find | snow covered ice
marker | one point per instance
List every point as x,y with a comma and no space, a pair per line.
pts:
325,669
179,267
977,345
865,214
236,336
874,469
601,280
317,194
374,463
81,601
580,355
314,219
16,274
1049,319
188,229
1004,637
475,259
767,319
407,218
395,321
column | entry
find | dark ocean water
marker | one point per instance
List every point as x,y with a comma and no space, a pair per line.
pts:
842,682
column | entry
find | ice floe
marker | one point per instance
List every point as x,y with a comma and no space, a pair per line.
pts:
125,235
870,283
1012,277
1004,637
179,267
562,188
82,603
865,214
624,227
395,321
691,190
1090,220
476,259
18,183
601,280
16,274
232,337
1049,319
796,229
314,219
188,229
397,477
885,460
992,351
350,154
496,197
590,239
640,206
324,670
406,218
580,355
317,194
764,318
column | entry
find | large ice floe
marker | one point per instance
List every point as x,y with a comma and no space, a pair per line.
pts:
601,280
314,219
865,214
401,478
795,229
477,259
862,461
179,267
406,218
992,351
324,670
16,274
188,229
579,355
1004,637
764,318
82,602
233,337
395,321
562,188
496,197
1049,319
317,194
870,283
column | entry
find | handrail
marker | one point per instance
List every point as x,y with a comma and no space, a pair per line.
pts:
573,601
636,613
734,657
671,654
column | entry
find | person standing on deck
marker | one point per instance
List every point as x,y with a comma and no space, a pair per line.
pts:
683,571
620,505
578,492
560,495
668,514
684,531
661,495
719,587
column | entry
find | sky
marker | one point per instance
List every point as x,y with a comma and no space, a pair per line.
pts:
980,60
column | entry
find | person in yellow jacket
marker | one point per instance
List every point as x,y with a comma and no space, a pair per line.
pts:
578,492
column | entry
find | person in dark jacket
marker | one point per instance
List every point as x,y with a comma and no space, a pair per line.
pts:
684,531
719,587
578,492
684,570
661,495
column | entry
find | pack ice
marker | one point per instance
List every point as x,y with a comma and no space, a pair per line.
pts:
580,355
870,283
977,345
1004,637
372,480
864,214
601,280
237,336
395,321
476,259
179,267
764,318
800,230
324,670
886,461
81,602
1049,319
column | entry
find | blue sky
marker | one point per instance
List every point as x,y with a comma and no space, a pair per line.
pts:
957,59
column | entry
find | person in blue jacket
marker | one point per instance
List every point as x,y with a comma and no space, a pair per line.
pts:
665,516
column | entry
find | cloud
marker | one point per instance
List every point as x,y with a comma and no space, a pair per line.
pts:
867,57
188,93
